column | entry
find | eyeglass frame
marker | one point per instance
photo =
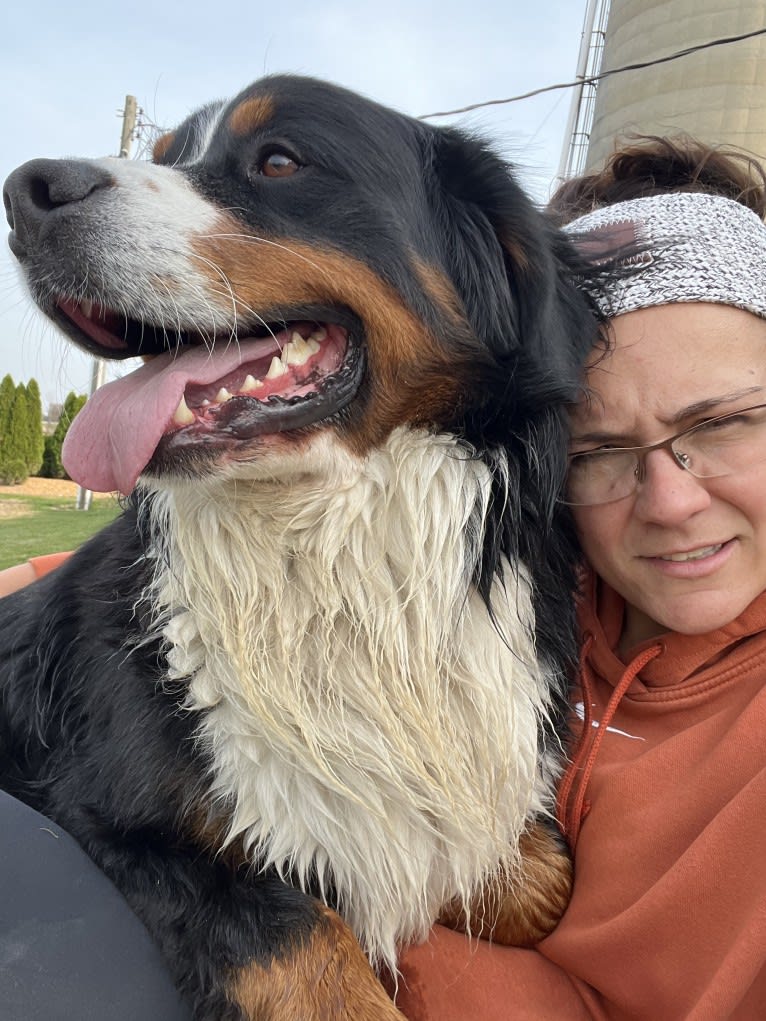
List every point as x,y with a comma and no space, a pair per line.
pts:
641,452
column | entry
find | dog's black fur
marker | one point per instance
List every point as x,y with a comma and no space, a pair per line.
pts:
91,729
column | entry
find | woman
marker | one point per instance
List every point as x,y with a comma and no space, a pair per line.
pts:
663,803
14,578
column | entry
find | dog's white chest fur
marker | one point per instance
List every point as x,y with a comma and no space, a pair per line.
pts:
369,727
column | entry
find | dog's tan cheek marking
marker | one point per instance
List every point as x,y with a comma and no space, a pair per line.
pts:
327,977
162,145
522,908
413,379
518,253
250,115
440,290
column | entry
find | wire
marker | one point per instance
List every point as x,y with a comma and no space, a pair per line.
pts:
592,79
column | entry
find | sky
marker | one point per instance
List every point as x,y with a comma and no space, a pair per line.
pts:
65,69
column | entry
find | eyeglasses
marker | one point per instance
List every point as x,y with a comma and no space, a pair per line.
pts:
720,446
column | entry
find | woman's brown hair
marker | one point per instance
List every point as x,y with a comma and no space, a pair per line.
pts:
652,165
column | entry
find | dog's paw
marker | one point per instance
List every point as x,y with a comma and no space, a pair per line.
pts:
520,908
327,978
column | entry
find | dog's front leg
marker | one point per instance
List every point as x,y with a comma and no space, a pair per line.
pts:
521,907
326,977
247,947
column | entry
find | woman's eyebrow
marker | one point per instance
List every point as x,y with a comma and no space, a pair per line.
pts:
619,438
615,438
710,403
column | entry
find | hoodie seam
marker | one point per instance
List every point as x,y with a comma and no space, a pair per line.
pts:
684,690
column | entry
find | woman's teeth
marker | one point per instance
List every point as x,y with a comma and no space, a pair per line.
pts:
697,554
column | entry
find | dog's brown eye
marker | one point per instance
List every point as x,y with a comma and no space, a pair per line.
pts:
279,164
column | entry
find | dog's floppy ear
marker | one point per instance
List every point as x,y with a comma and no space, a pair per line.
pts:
523,289
513,268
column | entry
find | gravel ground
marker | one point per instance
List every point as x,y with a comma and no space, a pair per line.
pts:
62,488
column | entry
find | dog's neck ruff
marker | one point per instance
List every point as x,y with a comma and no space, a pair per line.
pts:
369,727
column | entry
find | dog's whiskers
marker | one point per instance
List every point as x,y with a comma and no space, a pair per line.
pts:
228,293
257,240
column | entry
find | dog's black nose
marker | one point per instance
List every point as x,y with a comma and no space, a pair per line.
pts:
40,188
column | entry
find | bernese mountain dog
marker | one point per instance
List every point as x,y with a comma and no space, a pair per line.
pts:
307,694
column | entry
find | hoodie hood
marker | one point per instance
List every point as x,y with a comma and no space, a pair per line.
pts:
662,669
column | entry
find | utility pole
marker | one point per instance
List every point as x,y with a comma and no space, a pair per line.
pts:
128,126
98,371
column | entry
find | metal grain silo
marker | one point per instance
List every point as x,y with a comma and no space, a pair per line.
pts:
717,93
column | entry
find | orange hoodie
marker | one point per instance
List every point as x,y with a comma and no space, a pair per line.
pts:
48,562
668,915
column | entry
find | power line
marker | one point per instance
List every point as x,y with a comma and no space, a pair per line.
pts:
598,77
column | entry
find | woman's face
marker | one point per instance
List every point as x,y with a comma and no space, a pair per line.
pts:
687,554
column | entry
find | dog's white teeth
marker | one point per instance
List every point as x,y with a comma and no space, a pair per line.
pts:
319,334
250,383
205,403
223,395
275,369
285,353
86,307
183,414
298,351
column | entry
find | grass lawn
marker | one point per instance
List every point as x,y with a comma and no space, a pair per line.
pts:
33,525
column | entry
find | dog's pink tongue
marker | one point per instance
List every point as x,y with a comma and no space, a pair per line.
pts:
113,438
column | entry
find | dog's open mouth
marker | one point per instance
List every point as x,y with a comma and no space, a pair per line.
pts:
217,395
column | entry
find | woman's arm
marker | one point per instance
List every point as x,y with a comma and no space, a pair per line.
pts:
449,978
16,577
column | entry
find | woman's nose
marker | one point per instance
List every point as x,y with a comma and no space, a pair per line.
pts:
668,493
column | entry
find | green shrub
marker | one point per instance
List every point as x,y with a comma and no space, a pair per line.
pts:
52,468
13,471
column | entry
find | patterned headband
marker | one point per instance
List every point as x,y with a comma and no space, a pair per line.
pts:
688,247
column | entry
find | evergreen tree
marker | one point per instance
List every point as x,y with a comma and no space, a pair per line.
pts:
22,424
13,461
52,467
36,440
7,391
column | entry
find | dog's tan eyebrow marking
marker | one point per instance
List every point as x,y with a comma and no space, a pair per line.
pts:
161,146
251,114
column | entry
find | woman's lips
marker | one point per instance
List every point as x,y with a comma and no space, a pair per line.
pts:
698,562
696,554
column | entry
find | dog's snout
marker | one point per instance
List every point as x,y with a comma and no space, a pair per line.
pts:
38,188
